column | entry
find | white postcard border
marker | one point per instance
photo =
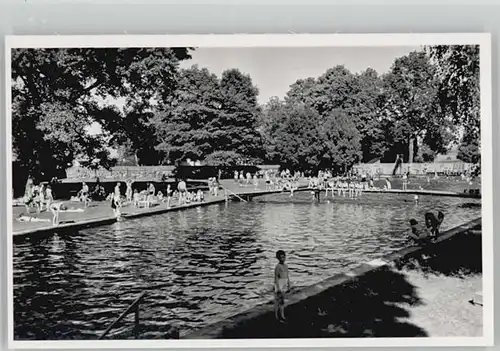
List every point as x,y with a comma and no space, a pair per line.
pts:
275,40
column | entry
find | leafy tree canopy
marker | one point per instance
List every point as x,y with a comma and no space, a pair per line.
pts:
210,115
58,93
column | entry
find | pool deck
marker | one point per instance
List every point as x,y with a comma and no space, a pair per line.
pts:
416,291
100,213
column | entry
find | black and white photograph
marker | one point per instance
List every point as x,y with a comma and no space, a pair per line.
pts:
250,190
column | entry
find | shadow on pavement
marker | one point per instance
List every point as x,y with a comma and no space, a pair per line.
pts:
367,307
374,305
458,257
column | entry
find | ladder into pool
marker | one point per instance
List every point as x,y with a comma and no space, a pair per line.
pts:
132,308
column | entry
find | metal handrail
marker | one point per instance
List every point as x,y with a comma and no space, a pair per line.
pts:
233,193
134,306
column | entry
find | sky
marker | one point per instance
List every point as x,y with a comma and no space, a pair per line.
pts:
273,70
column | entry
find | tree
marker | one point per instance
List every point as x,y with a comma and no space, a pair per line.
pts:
365,105
66,89
341,140
358,95
457,67
302,91
410,90
298,137
239,121
209,115
295,137
469,149
190,127
459,92
223,158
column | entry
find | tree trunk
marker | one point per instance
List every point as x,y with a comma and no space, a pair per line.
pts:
410,149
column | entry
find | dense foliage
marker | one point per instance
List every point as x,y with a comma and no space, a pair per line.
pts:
457,68
169,114
210,119
58,93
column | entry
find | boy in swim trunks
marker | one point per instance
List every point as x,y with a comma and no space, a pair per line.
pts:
281,285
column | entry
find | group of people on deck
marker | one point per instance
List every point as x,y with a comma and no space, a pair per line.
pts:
41,197
283,181
149,197
344,186
38,196
245,179
348,185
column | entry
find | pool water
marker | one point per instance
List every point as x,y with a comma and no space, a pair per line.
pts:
201,265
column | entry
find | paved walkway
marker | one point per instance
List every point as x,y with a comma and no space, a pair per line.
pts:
100,213
424,294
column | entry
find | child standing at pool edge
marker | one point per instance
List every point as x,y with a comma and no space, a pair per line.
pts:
281,285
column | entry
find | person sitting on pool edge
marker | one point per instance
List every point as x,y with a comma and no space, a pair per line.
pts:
419,234
432,223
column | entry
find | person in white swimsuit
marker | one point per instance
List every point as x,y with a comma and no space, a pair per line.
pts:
169,195
129,192
182,189
388,184
330,187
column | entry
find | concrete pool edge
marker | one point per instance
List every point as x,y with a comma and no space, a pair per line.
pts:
216,330
95,222
425,192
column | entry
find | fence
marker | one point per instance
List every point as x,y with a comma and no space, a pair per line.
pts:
150,173
414,168
121,173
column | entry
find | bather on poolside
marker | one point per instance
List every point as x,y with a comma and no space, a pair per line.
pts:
57,207
24,218
418,233
182,192
432,223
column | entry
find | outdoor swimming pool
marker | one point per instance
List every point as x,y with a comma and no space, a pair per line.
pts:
204,264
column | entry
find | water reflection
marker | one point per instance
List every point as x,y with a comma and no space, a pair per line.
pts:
203,264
